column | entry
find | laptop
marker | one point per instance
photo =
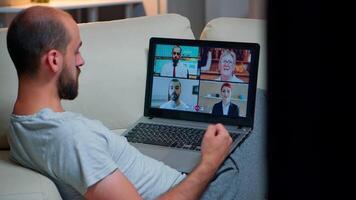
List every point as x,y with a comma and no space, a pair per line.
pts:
191,84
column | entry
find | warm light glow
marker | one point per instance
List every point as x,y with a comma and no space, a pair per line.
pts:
40,1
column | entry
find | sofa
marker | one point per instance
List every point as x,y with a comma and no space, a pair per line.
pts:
112,88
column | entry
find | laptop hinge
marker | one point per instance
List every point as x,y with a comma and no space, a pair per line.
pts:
244,128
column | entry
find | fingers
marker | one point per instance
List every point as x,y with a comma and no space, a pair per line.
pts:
215,145
211,128
211,131
222,132
218,133
220,126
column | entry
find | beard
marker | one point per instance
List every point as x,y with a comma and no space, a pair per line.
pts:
175,62
67,87
174,96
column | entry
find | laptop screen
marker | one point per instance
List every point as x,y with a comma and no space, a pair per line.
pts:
208,81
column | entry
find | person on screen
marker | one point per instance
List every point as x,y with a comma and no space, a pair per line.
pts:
225,107
175,68
174,101
227,63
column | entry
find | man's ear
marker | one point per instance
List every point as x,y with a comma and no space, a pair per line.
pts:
54,60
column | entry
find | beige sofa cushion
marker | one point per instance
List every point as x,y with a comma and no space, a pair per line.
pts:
240,30
21,183
18,183
8,88
112,82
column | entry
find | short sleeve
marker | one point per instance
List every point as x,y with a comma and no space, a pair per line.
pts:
84,158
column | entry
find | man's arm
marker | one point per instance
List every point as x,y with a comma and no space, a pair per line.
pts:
113,187
215,147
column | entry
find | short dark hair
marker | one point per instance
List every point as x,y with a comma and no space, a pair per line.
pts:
176,81
33,32
177,46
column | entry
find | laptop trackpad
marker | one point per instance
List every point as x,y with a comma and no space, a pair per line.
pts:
152,151
182,160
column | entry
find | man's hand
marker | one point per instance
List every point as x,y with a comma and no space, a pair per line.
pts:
215,146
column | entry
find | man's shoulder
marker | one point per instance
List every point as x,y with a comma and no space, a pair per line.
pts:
57,123
165,69
74,121
167,65
166,105
183,65
183,106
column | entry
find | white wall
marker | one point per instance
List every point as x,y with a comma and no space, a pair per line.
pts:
199,12
194,10
226,8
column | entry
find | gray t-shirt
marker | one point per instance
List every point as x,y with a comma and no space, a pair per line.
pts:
76,152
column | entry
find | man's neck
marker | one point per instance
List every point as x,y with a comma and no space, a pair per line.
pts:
177,102
175,63
34,96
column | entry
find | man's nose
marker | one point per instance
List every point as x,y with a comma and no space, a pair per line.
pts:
80,61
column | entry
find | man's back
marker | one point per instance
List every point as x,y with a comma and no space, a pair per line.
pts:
73,150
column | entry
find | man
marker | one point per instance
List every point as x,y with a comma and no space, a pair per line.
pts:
174,68
174,91
82,157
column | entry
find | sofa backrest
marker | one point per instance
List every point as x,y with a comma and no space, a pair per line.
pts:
112,82
240,30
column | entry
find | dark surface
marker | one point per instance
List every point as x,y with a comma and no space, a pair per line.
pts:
251,157
294,102
243,175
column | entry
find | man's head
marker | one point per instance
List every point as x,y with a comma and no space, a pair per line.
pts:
176,54
174,90
227,63
44,43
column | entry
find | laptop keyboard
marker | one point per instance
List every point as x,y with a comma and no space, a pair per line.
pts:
170,136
